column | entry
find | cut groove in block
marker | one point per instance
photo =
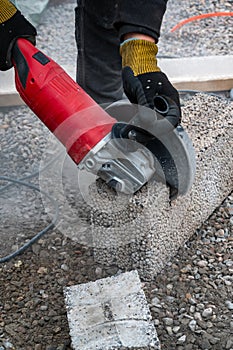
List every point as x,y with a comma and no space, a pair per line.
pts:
110,313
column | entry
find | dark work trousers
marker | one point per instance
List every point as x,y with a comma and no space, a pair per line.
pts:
98,61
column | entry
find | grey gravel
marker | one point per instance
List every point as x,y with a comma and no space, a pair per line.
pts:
211,36
229,305
197,279
182,339
207,312
192,325
168,321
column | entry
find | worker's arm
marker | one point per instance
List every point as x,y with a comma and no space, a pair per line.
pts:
13,25
142,78
140,16
139,24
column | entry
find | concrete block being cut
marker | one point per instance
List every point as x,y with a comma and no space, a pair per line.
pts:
145,232
110,313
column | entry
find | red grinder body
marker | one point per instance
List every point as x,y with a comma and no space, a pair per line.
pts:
58,101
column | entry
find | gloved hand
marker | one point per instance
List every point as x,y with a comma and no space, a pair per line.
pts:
142,78
13,25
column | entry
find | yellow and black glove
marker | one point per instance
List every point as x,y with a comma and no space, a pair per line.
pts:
143,79
13,25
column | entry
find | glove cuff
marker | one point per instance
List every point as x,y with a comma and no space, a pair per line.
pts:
139,55
7,10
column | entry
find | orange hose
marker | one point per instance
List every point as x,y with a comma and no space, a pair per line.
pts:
195,18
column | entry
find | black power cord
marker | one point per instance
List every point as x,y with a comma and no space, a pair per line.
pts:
39,234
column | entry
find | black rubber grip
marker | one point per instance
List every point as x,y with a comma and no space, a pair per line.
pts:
21,65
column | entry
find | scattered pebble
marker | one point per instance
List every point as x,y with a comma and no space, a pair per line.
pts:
192,325
182,339
207,312
229,305
168,321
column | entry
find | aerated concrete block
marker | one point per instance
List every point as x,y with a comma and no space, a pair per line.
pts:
145,232
110,313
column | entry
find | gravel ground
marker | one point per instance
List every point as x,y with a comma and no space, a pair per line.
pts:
212,36
190,301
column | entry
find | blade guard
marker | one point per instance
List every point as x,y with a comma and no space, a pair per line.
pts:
173,149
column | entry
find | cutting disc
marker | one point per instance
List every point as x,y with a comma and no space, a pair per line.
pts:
173,149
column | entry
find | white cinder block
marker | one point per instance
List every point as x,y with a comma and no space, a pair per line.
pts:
110,313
